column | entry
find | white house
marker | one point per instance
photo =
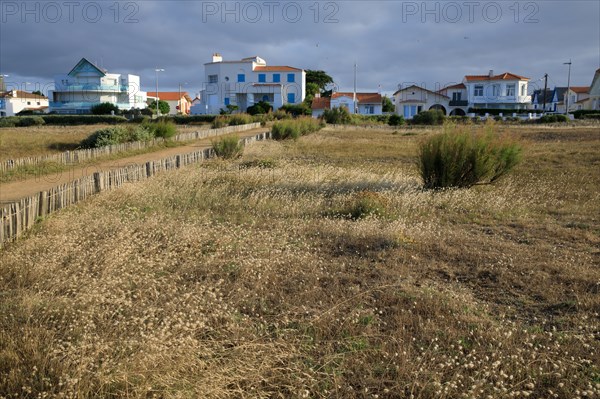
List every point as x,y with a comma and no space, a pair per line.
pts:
366,103
458,102
595,91
245,82
507,90
179,102
413,99
87,85
14,101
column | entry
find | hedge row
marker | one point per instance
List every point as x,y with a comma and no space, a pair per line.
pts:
498,111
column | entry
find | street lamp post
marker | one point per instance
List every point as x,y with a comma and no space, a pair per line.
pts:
568,87
157,70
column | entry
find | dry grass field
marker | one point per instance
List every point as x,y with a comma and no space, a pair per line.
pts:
20,142
247,279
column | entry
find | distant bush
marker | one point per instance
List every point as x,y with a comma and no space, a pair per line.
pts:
503,111
228,147
192,119
431,117
459,119
337,115
261,107
297,109
105,109
553,118
219,122
117,135
462,159
396,120
294,128
83,119
582,113
591,116
21,121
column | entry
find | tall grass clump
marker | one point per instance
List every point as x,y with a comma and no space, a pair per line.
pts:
294,128
163,129
228,147
458,158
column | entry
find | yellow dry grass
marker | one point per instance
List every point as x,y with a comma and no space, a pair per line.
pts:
234,280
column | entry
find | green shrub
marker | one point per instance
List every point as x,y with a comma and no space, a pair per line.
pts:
9,121
192,119
105,109
459,119
581,113
261,107
337,116
431,117
163,129
297,109
117,135
591,116
83,119
31,121
228,147
462,159
396,120
294,128
553,118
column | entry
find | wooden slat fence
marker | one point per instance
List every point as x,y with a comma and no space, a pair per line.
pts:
17,217
78,156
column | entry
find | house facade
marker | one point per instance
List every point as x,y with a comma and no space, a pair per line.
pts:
542,100
248,81
504,91
413,99
458,103
14,101
179,102
365,104
594,91
87,85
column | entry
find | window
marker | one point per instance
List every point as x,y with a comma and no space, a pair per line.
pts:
262,78
28,102
510,90
38,103
276,78
241,78
291,98
410,111
291,78
213,78
478,92
265,98
227,101
496,90
456,96
369,109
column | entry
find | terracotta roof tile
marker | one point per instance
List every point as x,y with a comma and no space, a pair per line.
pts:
503,76
580,89
321,103
169,95
23,94
365,98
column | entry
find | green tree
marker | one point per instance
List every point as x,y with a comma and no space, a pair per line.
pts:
105,109
320,78
163,107
388,105
39,93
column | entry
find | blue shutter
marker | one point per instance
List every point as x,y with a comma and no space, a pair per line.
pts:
291,78
276,78
226,101
262,78
241,78
291,98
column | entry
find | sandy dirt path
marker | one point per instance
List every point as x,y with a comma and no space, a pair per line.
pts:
13,191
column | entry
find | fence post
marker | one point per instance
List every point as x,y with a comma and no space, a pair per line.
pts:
98,181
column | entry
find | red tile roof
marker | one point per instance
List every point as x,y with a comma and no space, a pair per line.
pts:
23,94
457,86
169,95
580,89
413,87
503,76
321,103
276,69
365,98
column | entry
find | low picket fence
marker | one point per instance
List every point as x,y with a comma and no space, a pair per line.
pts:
84,155
18,217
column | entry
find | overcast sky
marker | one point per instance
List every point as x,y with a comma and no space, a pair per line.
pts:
431,43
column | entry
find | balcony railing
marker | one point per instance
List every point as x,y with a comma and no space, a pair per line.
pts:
92,87
458,103
82,105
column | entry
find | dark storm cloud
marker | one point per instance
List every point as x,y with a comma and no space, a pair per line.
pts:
393,42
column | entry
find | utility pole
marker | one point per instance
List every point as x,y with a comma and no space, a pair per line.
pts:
568,87
354,99
545,88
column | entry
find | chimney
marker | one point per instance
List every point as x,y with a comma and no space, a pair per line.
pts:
491,73
217,57
14,94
